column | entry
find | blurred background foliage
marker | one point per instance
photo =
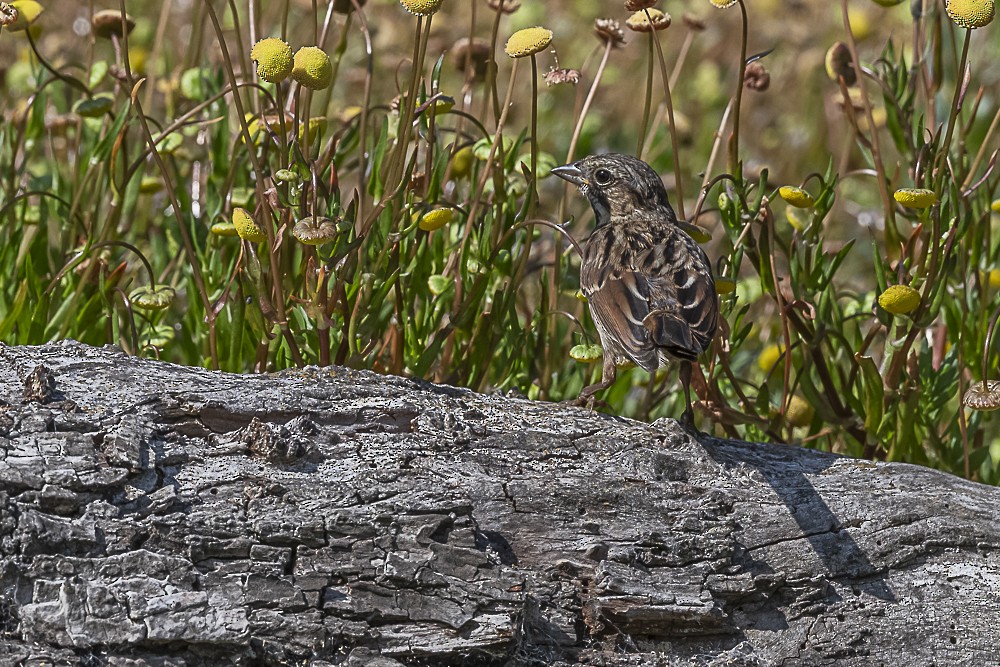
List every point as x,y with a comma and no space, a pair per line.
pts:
445,249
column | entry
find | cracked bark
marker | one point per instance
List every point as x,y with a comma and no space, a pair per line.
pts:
158,515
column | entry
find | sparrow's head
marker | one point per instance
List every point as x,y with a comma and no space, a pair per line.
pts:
616,184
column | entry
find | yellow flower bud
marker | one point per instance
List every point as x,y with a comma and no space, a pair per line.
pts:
769,356
247,227
312,68
724,285
461,163
796,196
274,59
528,41
799,412
435,219
915,197
899,299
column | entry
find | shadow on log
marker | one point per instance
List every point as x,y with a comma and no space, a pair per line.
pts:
165,516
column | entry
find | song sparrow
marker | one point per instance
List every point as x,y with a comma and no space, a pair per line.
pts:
649,284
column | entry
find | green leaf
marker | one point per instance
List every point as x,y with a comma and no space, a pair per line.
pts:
874,393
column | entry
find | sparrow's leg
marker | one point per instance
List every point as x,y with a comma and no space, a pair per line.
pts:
608,375
687,419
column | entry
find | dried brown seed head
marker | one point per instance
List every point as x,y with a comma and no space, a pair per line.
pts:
107,23
609,31
756,77
471,57
558,75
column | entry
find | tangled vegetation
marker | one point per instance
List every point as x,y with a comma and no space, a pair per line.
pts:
251,186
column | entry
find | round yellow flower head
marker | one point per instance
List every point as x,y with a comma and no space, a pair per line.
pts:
899,299
799,412
528,42
990,277
639,23
274,59
152,298
796,196
247,227
312,68
723,4
983,396
421,7
769,356
28,12
435,219
915,197
970,13
724,286
699,234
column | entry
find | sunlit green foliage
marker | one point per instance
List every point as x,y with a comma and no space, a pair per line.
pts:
393,208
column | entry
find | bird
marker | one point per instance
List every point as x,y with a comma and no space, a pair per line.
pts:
649,284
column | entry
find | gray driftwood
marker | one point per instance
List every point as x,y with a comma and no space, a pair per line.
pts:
158,515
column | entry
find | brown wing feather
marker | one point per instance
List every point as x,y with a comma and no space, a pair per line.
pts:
650,297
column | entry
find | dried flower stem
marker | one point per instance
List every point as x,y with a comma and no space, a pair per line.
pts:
889,209
273,257
675,145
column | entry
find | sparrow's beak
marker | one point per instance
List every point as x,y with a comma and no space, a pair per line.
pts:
571,173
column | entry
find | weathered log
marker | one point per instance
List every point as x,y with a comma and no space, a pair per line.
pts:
157,515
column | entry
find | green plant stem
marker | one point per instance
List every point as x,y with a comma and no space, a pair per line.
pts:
571,151
940,161
987,141
649,97
397,163
481,186
76,83
186,239
272,250
888,207
365,104
675,145
734,149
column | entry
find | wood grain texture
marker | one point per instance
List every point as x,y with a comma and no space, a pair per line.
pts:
165,516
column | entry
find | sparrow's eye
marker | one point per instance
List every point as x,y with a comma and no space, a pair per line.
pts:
603,177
